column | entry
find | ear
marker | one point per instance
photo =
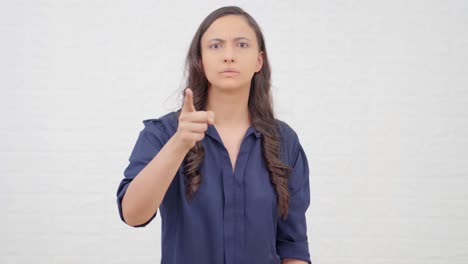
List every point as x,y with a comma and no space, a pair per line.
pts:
259,61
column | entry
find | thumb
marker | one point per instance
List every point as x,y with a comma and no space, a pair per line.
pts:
188,101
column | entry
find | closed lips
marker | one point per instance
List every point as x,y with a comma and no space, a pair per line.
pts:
229,70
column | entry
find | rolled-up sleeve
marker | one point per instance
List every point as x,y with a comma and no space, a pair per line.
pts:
291,239
149,142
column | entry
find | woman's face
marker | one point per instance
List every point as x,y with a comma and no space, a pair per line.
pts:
230,43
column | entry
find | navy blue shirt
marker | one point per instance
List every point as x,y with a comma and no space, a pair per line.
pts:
232,218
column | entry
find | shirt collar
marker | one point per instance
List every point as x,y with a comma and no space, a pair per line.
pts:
213,133
255,131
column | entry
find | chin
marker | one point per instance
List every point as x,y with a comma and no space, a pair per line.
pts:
228,84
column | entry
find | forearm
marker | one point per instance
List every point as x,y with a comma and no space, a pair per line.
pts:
146,191
292,261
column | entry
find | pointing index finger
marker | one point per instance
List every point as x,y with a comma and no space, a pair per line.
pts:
188,101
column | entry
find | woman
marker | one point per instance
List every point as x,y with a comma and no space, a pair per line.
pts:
231,180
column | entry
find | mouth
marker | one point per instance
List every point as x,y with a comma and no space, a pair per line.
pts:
229,70
229,73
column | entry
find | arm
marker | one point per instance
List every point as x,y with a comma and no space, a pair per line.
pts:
292,261
291,238
156,163
146,192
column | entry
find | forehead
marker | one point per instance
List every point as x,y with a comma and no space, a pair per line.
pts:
229,27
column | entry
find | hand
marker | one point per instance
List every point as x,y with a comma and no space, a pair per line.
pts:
192,123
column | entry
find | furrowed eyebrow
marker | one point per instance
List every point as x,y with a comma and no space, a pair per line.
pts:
222,40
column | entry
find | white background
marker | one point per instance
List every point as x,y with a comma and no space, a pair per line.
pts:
376,90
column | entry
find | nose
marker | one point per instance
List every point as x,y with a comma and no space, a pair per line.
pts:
229,55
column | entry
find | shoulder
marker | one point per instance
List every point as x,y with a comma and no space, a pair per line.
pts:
289,140
285,130
161,128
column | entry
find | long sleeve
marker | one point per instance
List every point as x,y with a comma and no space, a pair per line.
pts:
291,239
149,143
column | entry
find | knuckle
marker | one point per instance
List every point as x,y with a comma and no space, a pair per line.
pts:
181,126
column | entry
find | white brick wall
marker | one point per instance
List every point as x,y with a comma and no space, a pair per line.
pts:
379,98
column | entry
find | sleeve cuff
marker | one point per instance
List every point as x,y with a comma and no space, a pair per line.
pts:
297,250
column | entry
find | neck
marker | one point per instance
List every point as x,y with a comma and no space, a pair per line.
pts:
230,106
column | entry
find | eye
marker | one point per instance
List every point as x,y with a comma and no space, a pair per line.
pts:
245,44
213,46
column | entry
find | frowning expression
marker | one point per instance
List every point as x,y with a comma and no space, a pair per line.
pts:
230,53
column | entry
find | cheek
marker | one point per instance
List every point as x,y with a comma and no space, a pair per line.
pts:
207,63
250,67
209,69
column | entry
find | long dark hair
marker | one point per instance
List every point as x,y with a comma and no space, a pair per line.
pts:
260,108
